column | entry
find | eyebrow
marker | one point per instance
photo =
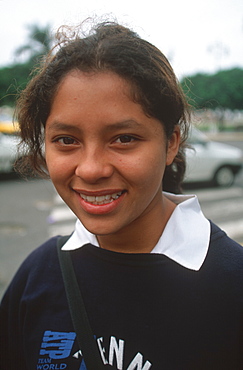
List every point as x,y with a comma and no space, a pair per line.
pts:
127,124
60,126
123,125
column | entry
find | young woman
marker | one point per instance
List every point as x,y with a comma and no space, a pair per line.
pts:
162,286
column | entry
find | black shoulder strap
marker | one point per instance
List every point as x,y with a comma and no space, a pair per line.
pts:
85,337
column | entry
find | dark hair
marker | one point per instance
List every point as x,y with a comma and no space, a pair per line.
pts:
108,47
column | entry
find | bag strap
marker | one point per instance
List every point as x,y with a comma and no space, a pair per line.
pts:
77,309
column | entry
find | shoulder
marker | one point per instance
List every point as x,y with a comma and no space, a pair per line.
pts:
225,256
42,263
222,270
219,240
44,255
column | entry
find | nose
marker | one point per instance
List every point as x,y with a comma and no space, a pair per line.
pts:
94,165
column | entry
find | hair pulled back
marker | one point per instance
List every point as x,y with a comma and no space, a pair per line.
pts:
108,47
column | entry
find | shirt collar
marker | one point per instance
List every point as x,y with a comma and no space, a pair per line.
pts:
185,238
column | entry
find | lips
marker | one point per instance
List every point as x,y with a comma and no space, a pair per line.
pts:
100,199
100,203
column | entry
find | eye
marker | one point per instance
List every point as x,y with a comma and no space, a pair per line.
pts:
66,140
125,139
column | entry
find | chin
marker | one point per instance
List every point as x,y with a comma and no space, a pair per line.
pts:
100,230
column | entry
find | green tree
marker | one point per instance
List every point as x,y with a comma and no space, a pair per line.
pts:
223,89
39,42
14,78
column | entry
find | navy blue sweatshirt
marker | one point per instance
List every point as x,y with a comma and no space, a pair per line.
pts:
146,311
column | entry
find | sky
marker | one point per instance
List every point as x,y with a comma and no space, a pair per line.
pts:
197,36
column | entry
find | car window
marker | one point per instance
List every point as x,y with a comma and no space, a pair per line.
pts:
197,137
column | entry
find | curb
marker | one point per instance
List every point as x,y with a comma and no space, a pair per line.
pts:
225,136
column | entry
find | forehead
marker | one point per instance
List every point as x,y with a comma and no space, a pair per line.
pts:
96,100
104,81
103,92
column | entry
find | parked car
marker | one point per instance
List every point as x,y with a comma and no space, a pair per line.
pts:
8,152
210,161
7,126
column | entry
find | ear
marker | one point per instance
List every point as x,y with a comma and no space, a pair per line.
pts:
173,145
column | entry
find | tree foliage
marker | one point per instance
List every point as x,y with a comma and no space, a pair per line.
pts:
14,78
223,89
38,43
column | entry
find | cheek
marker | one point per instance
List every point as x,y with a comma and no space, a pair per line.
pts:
58,167
145,171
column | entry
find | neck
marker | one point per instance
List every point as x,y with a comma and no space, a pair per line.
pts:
140,236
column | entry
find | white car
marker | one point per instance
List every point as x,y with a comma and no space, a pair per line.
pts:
210,161
8,152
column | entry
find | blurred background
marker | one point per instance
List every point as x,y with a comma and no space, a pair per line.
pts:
203,40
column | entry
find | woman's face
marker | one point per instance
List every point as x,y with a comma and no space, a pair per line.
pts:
106,157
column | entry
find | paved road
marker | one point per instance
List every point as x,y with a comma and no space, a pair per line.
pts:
31,212
225,208
25,207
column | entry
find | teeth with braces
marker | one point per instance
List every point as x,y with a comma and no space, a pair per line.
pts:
103,199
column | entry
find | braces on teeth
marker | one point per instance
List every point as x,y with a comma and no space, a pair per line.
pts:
103,199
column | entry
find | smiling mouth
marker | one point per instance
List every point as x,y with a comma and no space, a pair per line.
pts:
102,199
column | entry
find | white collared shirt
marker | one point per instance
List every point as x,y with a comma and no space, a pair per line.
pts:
185,238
